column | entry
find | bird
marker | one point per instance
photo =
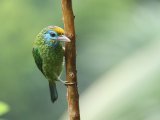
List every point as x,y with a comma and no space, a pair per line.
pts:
48,54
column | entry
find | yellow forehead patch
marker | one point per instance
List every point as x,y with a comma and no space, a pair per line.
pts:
57,29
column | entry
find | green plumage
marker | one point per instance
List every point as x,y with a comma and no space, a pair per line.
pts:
48,54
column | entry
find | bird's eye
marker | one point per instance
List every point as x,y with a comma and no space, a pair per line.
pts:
52,34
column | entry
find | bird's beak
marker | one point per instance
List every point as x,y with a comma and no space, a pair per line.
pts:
63,38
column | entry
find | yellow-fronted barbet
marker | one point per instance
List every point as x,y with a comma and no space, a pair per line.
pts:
48,53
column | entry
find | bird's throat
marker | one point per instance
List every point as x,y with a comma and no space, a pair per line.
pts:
55,44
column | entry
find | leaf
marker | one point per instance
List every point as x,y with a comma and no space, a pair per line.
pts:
4,108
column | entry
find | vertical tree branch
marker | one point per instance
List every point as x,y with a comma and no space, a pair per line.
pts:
70,58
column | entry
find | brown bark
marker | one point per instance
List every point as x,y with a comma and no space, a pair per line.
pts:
70,59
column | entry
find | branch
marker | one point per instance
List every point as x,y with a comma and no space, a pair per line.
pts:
70,59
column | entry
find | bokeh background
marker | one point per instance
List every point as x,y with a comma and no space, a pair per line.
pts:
118,60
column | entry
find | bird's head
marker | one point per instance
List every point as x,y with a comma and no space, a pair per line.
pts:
54,35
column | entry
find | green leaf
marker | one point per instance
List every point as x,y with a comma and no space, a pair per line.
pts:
4,108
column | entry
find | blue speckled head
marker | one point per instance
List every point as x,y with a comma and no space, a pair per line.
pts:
53,36
50,38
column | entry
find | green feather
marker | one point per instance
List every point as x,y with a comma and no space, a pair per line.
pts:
49,61
37,58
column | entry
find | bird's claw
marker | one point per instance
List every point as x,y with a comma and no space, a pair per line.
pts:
69,83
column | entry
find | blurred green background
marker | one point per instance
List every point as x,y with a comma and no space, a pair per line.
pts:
118,61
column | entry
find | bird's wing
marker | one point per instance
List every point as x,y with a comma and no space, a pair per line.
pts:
37,58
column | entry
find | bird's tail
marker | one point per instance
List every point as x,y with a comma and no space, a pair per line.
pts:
53,91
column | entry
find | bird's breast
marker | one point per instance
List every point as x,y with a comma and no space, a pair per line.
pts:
52,61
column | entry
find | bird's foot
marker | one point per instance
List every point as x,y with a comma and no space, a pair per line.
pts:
67,83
